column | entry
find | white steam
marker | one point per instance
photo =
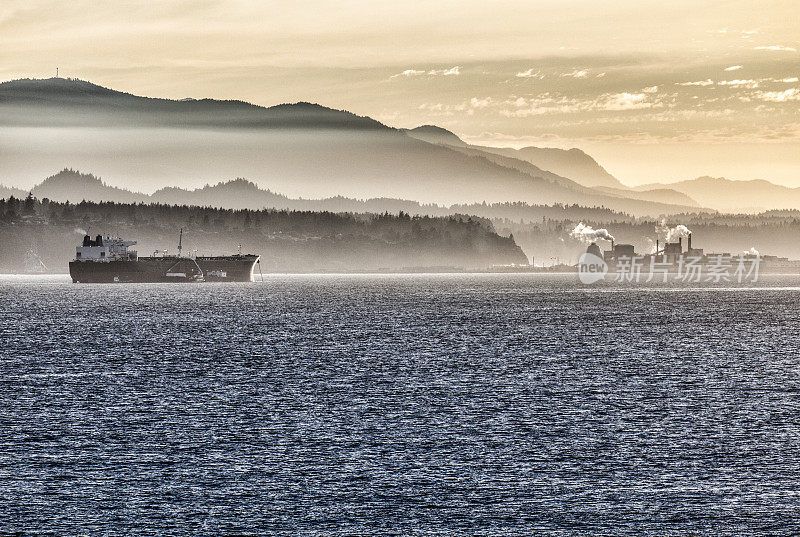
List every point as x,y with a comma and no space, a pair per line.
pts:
80,231
671,234
588,234
752,251
679,231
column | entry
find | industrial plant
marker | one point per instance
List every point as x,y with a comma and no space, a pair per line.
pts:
672,255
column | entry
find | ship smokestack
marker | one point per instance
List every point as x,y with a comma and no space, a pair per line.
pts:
656,246
689,242
680,244
87,240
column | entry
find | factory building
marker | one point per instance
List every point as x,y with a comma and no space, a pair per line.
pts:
672,253
617,251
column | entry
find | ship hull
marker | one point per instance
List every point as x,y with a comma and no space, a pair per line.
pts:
238,268
231,268
142,270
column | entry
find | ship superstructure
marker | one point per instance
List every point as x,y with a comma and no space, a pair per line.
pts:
105,250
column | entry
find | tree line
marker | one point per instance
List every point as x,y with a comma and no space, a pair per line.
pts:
291,241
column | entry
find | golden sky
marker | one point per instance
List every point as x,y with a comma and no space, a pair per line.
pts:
655,90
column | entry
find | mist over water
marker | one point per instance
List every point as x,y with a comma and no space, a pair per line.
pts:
497,405
309,163
146,159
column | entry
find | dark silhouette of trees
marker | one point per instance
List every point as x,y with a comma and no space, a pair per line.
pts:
289,240
29,205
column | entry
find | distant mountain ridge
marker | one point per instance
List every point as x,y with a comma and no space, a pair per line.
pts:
748,196
301,149
722,194
80,103
568,162
75,187
572,163
71,185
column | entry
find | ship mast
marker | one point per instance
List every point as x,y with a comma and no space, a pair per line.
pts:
180,243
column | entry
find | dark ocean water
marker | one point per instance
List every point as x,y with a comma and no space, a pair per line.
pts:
399,405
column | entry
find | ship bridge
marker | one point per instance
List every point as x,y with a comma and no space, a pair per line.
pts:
105,249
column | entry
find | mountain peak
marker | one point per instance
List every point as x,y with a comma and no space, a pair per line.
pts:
68,175
573,163
436,135
69,184
74,102
64,87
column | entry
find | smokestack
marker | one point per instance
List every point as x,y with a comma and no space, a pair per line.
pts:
680,244
612,245
689,242
656,246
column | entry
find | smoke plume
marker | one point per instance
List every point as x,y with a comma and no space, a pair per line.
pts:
588,234
679,231
80,231
671,234
751,251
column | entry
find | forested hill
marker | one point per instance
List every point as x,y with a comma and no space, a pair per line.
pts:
72,102
288,241
71,185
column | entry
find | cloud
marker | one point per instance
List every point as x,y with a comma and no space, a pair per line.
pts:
777,48
409,72
750,83
441,109
792,94
703,83
547,104
626,101
733,68
583,73
468,107
453,71
530,74
480,103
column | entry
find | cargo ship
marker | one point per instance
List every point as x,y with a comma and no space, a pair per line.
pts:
109,260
